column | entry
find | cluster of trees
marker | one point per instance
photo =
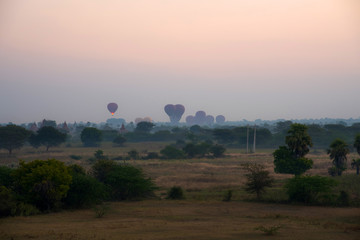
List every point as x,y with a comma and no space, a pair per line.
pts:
14,137
291,159
43,186
310,189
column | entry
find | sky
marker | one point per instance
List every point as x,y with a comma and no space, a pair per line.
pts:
65,60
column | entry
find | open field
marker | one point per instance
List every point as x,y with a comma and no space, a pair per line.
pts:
166,219
203,215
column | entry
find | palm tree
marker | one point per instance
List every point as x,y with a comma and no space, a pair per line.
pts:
356,164
338,151
357,143
298,140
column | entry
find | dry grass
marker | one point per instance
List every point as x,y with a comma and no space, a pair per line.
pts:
160,219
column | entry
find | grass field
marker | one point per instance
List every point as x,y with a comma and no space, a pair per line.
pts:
202,215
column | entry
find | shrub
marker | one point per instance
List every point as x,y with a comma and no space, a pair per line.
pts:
227,196
6,178
7,202
133,154
308,189
171,152
217,150
75,157
152,155
128,182
258,179
285,162
197,150
102,168
85,190
119,140
175,193
123,182
100,210
42,183
99,155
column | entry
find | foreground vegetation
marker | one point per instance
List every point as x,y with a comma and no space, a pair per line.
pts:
221,183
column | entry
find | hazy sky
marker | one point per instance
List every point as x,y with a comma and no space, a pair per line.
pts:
245,59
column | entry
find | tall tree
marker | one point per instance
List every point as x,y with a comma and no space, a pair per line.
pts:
48,137
91,137
291,159
338,151
13,137
298,140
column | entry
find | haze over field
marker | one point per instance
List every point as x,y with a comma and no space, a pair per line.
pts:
66,60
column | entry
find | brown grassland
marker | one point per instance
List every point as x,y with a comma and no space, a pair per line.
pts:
202,215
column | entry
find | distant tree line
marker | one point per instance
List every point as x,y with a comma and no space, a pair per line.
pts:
14,137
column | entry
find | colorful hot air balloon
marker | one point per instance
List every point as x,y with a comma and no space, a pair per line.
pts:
112,107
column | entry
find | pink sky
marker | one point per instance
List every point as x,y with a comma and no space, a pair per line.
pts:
288,57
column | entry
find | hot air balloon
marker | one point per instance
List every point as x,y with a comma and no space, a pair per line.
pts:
209,120
220,119
112,107
179,111
200,117
190,120
147,119
174,112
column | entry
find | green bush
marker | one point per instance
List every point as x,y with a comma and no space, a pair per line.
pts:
152,155
285,162
133,154
85,190
309,189
217,150
128,182
75,157
6,178
258,179
102,168
119,140
171,152
175,193
123,182
42,183
7,202
197,150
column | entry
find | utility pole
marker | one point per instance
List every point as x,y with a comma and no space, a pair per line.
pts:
247,139
254,146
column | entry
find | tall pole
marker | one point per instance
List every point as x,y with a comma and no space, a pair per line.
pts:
247,139
254,146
